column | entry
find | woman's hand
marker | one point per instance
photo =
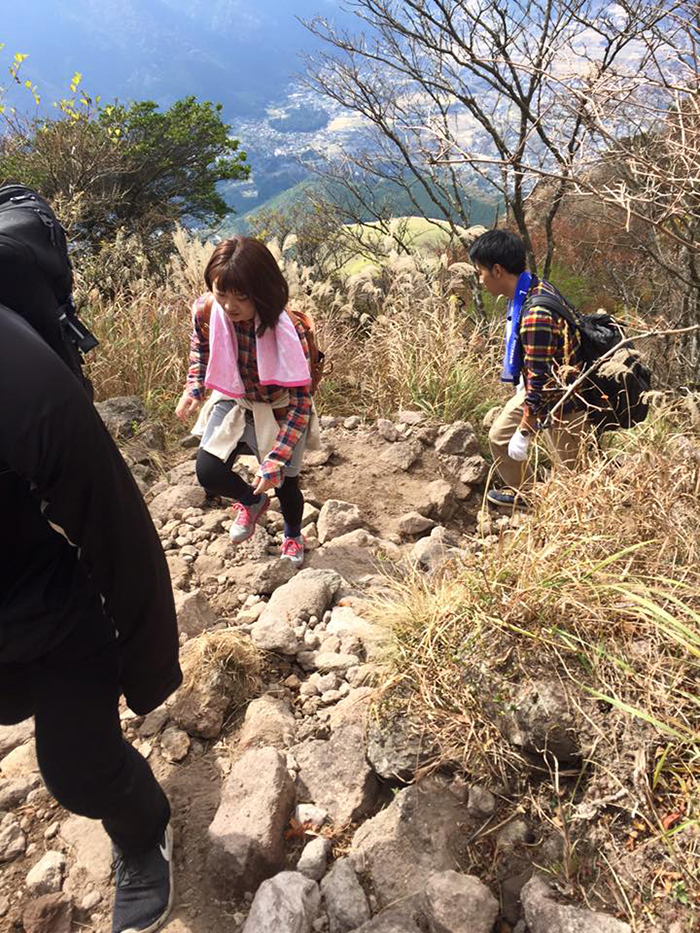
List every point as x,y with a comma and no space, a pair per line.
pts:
262,484
187,406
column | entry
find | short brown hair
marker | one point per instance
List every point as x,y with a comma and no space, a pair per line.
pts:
246,266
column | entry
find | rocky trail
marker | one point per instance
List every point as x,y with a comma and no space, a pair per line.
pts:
295,807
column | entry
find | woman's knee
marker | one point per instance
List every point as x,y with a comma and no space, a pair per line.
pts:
209,470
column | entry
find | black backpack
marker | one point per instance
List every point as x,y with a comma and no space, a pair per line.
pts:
36,278
614,390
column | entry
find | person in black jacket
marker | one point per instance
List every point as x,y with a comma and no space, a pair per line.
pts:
86,613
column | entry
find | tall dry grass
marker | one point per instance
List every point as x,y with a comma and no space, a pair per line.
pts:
417,350
598,588
141,318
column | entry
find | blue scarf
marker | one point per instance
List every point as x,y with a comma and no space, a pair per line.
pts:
513,355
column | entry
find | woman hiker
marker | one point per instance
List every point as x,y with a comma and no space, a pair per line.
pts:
255,358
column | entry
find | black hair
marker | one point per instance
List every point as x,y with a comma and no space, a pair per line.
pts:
499,247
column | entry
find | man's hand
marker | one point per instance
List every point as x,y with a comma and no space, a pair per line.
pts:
518,445
187,406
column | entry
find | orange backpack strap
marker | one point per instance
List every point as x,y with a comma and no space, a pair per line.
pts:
316,356
205,303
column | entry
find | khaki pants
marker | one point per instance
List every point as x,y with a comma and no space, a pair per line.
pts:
563,439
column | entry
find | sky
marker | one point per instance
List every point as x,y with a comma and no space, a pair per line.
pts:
243,53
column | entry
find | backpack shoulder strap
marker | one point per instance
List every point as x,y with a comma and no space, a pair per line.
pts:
203,307
301,317
551,303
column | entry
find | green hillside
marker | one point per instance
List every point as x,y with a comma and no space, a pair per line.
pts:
417,233
483,209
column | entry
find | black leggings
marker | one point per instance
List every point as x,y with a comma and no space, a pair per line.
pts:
73,694
218,479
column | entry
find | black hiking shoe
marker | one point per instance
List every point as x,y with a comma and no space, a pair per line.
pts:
507,497
144,888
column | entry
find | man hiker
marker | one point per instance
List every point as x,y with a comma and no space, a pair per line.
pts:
86,612
542,353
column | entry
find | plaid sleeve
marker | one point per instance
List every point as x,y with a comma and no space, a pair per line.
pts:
199,351
540,341
292,428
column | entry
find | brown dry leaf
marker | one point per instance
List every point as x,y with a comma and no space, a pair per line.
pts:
299,830
671,818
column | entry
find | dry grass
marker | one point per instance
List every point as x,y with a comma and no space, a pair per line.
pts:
226,651
600,589
141,319
419,352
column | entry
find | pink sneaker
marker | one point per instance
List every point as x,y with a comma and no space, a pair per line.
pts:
293,550
246,518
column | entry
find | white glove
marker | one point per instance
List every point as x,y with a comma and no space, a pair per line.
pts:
518,445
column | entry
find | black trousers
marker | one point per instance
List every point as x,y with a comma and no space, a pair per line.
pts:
218,479
73,693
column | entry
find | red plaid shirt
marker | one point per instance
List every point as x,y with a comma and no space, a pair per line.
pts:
551,357
293,418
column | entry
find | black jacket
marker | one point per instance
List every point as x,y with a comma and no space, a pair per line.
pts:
61,471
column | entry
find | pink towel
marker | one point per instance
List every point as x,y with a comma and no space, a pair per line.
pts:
280,356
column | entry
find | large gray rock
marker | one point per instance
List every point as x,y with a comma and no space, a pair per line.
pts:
14,791
544,914
421,831
270,575
194,614
309,593
354,709
180,570
413,523
336,775
455,903
122,414
352,555
287,903
13,842
403,919
431,553
402,455
468,470
437,500
174,744
314,858
346,902
20,762
268,722
13,736
387,430
46,877
397,747
337,518
542,721
247,833
91,846
326,661
458,439
346,623
182,496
